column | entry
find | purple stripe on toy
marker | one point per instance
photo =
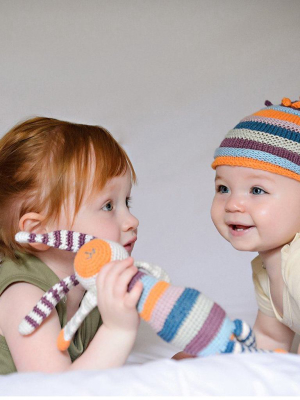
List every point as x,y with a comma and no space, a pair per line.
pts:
136,277
55,294
82,239
69,241
64,287
31,321
45,238
57,239
254,145
32,237
39,312
47,303
208,331
74,280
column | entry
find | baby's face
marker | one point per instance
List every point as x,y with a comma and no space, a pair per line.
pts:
255,210
106,215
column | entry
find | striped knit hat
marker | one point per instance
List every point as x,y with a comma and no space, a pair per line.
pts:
268,140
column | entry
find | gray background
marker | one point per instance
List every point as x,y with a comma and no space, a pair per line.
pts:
168,78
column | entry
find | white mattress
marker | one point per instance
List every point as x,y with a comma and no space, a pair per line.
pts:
221,375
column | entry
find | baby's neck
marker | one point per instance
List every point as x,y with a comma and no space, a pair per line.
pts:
59,261
271,261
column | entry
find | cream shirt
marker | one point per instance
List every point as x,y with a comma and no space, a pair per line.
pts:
290,268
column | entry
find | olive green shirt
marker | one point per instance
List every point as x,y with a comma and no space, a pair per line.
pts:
34,271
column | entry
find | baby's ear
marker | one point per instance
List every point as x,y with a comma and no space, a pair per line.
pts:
33,223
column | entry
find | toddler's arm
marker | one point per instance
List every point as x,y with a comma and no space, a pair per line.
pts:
271,334
111,344
116,336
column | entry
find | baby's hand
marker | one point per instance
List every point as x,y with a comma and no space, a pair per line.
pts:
118,307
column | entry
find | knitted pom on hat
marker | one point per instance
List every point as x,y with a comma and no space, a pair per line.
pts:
268,140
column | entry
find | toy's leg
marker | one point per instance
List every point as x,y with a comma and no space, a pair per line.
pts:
244,333
88,303
46,304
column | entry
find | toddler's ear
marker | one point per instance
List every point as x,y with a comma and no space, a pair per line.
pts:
33,223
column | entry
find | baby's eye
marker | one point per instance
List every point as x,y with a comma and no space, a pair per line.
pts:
108,206
256,190
222,189
128,202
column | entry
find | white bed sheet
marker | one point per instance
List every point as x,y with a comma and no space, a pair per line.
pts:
221,375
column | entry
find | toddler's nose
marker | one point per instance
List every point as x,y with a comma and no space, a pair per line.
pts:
130,222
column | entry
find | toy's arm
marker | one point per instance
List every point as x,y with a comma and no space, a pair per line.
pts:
46,304
63,240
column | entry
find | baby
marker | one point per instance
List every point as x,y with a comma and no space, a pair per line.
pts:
256,208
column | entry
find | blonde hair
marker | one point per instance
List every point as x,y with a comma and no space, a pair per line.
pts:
43,161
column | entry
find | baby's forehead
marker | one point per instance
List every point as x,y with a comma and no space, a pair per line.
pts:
233,172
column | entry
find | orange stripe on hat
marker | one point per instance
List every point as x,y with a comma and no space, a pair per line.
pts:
278,115
255,164
155,293
91,257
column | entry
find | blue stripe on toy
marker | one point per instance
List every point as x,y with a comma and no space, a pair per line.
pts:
238,327
258,155
229,347
219,343
269,128
148,283
178,313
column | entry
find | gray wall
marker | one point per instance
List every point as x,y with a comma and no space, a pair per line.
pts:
168,78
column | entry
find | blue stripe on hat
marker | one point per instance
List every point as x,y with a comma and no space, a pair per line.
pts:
287,110
257,155
269,128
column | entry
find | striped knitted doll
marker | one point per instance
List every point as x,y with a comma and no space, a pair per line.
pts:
181,316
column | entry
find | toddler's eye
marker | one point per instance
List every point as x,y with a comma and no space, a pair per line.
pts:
222,189
256,190
128,202
108,206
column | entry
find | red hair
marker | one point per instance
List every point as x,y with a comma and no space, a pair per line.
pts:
43,161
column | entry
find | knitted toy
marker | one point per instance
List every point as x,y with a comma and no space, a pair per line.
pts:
181,316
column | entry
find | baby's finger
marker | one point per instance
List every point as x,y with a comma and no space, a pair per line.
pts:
133,297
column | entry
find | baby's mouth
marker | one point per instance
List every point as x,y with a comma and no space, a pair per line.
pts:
240,228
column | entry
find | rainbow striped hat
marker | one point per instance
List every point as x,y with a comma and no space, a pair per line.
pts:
268,140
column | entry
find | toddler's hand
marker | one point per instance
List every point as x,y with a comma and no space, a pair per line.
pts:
118,307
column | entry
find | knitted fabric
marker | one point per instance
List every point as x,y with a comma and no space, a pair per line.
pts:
182,316
268,140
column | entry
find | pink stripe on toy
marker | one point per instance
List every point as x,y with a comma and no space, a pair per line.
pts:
209,329
164,306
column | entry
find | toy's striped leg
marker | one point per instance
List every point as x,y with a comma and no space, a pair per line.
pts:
46,304
183,316
244,333
89,302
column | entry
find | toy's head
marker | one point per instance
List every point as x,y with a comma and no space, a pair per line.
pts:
92,256
268,140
